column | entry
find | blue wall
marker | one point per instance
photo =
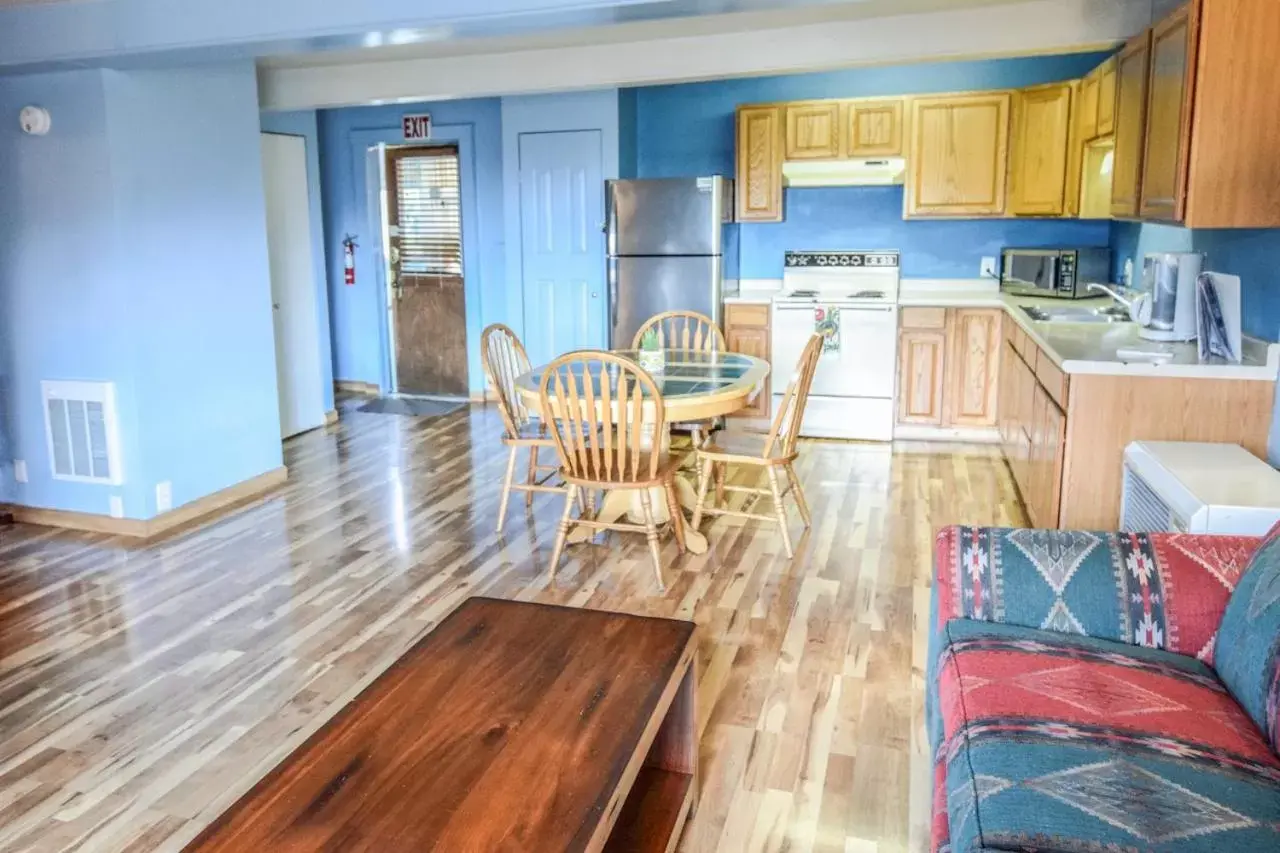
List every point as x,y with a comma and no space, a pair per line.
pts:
303,123
356,312
133,250
1254,255
871,218
688,129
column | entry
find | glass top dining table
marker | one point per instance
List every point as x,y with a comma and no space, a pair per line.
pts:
694,385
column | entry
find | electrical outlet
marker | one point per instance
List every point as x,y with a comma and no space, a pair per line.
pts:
988,269
117,506
20,470
164,496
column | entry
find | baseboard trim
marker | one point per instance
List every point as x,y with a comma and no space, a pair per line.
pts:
220,502
969,435
331,417
355,386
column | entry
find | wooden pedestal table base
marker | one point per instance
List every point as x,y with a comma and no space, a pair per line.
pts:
616,504
511,726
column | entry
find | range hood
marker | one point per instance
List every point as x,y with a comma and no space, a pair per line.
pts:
868,172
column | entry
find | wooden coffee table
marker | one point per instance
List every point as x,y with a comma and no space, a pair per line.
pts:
510,727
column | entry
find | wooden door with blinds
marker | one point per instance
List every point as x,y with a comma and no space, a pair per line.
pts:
424,212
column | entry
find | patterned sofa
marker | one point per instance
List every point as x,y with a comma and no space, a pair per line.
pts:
1105,692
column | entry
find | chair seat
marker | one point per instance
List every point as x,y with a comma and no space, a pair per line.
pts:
1059,742
667,466
737,446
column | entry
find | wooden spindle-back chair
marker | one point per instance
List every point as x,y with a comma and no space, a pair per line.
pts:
773,451
686,331
607,419
504,360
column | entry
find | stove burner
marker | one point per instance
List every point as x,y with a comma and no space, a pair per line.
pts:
804,294
868,294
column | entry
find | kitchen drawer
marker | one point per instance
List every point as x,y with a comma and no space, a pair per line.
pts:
1053,380
1023,345
746,314
924,318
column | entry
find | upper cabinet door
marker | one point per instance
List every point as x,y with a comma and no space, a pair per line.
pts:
1168,134
1041,142
958,155
1106,106
1087,112
759,185
875,128
813,130
1131,118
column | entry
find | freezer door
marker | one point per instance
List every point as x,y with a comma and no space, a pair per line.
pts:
642,287
665,216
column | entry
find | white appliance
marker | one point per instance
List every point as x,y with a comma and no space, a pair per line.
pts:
1197,487
1166,308
853,387
864,172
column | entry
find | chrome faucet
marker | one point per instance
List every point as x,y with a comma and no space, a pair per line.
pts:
1117,297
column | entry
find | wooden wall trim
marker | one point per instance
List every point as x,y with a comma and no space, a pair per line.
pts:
220,502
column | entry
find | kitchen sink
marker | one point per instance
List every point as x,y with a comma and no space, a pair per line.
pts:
1110,314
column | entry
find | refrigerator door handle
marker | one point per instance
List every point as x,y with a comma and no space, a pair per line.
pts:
613,295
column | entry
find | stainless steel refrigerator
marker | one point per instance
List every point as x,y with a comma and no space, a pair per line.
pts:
664,241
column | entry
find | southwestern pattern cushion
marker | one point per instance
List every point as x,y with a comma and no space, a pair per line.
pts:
1249,659
1072,744
1161,590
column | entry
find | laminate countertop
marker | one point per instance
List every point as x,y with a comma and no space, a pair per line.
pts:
1082,348
1094,348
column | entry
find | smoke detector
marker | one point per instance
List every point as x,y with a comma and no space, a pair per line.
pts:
35,121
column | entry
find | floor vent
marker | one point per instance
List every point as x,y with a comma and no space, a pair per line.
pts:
82,431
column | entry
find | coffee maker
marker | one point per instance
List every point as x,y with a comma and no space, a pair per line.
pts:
1166,308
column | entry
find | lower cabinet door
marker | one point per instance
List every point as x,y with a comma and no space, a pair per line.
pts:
751,340
921,362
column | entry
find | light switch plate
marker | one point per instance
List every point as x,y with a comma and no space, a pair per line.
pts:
988,269
164,496
117,506
20,470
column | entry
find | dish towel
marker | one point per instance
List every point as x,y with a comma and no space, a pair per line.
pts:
826,322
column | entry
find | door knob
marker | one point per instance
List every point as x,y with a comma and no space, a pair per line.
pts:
595,295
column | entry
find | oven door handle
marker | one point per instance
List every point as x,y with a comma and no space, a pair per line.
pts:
880,309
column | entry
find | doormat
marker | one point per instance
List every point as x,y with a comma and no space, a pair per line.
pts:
409,406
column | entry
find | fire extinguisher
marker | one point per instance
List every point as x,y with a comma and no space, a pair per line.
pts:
349,246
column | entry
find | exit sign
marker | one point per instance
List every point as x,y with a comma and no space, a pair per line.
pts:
416,127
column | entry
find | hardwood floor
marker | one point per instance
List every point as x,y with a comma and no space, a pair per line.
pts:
143,689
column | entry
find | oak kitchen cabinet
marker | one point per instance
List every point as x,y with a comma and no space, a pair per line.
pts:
874,128
813,130
1105,123
1131,118
1197,131
1042,152
758,196
948,366
746,330
1170,82
958,156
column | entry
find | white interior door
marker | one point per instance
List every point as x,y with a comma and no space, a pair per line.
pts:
293,283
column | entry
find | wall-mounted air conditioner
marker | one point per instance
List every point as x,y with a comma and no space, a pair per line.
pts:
1197,487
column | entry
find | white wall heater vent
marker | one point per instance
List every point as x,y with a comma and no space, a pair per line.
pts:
1197,487
82,431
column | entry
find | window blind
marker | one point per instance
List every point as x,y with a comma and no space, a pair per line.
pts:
430,214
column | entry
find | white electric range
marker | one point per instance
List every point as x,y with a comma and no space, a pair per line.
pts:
854,297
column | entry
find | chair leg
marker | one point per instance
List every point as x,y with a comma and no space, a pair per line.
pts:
562,533
651,534
695,436
677,515
719,468
533,475
801,503
704,482
780,509
506,487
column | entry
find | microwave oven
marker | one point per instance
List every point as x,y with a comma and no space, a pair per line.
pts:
1061,273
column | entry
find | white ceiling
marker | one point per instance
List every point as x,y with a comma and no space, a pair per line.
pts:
442,42
699,48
